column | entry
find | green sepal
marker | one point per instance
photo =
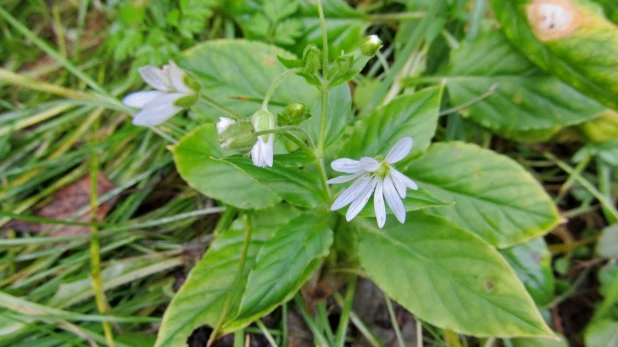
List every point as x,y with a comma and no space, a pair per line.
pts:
186,101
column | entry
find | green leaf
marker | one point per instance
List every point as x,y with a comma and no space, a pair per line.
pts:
537,342
338,113
602,333
235,180
414,115
237,74
494,196
578,45
219,279
448,277
415,200
284,264
532,264
607,246
524,98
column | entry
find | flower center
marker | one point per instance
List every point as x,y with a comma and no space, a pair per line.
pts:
383,170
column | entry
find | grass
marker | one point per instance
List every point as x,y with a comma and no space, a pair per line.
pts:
61,121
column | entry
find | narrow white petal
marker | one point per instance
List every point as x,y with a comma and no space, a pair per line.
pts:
361,200
256,154
177,76
343,179
140,99
400,150
378,204
351,193
158,110
399,184
403,178
223,124
346,165
268,151
369,164
393,200
156,78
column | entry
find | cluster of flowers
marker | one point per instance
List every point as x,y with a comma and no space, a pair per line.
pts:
175,90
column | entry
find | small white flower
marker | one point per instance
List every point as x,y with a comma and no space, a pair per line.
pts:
223,124
159,105
262,152
369,176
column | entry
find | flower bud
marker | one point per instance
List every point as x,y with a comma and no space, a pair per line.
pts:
262,119
312,60
344,63
370,45
293,114
191,83
239,136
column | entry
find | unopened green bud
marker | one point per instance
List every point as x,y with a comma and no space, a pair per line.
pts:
312,60
344,63
262,119
370,45
186,101
191,83
239,136
294,114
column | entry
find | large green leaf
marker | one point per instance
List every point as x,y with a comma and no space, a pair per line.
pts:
414,115
237,74
415,200
532,264
339,108
235,180
284,264
212,292
494,196
448,277
569,38
603,333
525,98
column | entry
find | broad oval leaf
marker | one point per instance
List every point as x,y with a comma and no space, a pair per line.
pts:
523,97
235,180
415,200
578,44
237,74
448,277
494,196
602,333
284,264
414,115
607,246
219,278
532,264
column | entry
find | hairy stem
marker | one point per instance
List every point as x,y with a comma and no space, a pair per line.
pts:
275,84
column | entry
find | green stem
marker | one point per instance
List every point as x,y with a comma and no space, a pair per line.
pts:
345,313
266,333
233,114
300,144
564,189
605,186
324,90
239,338
607,205
394,322
395,17
319,338
20,80
95,249
275,84
287,128
358,323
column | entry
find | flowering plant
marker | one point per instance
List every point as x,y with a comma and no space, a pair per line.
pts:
456,208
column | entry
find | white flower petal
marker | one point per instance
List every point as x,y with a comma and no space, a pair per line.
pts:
351,193
346,165
177,78
268,150
256,154
158,110
156,78
378,204
343,179
369,164
140,99
223,124
400,150
361,200
398,183
403,178
393,200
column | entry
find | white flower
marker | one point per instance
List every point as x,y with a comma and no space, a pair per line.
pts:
371,175
159,105
223,124
262,151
